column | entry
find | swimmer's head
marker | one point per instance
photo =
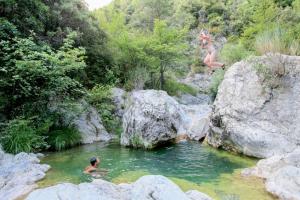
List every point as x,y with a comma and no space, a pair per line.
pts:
94,161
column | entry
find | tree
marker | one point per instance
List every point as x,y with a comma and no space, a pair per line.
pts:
167,46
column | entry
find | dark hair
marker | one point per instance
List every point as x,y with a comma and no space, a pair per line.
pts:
93,161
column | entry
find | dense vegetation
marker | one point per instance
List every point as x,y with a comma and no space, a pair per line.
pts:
58,51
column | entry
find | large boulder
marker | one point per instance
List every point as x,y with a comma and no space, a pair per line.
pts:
152,118
146,188
253,118
19,173
282,174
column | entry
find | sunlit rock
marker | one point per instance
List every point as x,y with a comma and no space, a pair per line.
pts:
145,188
255,114
19,174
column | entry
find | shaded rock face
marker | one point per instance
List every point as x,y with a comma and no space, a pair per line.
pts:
151,118
282,174
19,173
197,119
85,118
197,108
146,188
199,81
250,118
119,99
89,124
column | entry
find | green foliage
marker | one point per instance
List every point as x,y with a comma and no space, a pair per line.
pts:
7,30
101,97
175,88
53,20
232,53
63,138
26,15
277,41
21,135
167,48
31,74
216,80
136,141
271,74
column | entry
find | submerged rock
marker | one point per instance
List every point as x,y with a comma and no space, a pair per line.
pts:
152,118
19,173
145,188
253,118
282,174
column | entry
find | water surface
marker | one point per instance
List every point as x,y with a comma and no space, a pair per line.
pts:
191,165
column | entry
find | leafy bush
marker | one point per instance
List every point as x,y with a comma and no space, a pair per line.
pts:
32,74
64,138
101,97
272,73
20,135
216,80
175,88
232,53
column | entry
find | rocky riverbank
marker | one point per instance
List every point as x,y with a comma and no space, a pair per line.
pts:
145,188
256,112
281,174
19,174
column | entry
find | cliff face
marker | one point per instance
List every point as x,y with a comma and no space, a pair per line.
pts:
257,109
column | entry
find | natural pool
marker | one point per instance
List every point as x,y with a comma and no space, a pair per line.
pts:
191,165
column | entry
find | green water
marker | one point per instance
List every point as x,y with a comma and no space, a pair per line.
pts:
191,165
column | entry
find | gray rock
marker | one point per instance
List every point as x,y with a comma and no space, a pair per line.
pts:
282,174
197,118
249,117
188,99
119,98
199,81
151,119
84,117
19,173
285,183
146,188
89,124
156,187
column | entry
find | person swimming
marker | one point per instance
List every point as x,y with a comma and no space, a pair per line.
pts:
93,169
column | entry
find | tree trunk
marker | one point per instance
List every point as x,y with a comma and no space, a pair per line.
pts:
161,78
